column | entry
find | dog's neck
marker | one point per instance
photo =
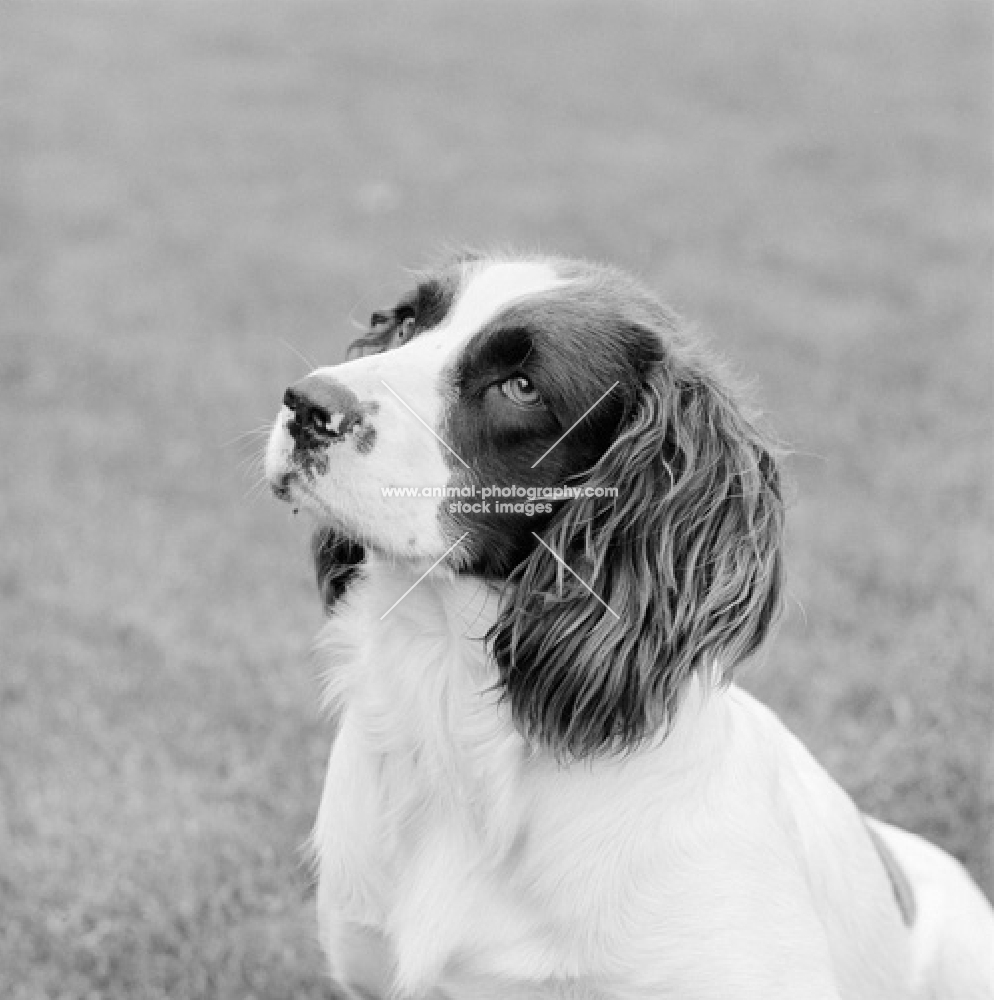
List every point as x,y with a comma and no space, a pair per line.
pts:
408,657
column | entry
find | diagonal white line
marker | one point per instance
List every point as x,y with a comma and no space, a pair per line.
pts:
556,556
427,428
423,575
569,430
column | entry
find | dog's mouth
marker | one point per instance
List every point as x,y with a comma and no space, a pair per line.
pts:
283,490
297,487
290,485
343,542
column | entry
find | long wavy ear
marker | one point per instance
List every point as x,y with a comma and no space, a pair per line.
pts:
628,596
336,562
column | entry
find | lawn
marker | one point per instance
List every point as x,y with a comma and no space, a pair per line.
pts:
194,196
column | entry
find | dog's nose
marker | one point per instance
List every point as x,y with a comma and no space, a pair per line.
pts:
322,409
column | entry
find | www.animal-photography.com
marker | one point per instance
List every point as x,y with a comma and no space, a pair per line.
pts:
496,500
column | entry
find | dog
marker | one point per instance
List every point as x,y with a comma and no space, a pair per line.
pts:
548,533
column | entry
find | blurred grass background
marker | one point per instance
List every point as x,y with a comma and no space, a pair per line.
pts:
186,190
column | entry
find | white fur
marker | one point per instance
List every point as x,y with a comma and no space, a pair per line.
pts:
720,862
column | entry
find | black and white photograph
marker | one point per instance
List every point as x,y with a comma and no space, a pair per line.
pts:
496,500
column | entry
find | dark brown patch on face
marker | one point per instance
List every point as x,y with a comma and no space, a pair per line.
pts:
312,461
364,436
363,431
587,354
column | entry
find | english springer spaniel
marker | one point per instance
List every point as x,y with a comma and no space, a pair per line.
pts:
548,532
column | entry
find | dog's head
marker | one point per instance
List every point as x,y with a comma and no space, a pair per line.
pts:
483,394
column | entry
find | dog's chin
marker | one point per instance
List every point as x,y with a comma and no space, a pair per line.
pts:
336,530
300,492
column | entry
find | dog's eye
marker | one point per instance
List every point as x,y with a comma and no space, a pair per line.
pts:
520,391
406,330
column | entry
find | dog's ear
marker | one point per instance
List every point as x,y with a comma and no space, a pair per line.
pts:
630,594
336,562
388,328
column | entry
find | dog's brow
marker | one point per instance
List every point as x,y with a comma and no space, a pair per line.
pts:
487,292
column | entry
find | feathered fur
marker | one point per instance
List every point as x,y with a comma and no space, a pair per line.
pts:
685,562
545,785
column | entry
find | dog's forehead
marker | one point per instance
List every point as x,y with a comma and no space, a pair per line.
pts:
487,288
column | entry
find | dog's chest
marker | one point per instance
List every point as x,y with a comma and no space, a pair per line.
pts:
421,819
